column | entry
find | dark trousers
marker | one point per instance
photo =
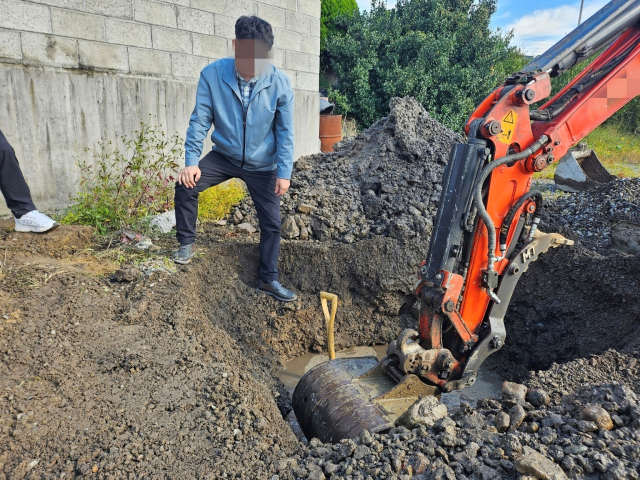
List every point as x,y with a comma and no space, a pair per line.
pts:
216,169
12,184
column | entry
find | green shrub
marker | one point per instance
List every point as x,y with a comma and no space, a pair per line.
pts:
120,187
441,52
216,202
330,9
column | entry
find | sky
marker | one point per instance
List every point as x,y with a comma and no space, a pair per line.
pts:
536,25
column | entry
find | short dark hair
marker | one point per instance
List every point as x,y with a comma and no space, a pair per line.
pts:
254,28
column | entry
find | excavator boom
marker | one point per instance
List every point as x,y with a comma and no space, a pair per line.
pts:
485,232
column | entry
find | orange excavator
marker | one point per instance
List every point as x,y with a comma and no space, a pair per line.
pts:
485,233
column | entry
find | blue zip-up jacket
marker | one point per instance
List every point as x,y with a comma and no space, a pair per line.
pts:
264,141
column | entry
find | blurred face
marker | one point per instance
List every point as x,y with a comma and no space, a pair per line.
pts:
252,56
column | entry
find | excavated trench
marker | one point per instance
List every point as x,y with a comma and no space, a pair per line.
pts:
572,305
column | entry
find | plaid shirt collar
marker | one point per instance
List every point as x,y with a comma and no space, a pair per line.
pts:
246,89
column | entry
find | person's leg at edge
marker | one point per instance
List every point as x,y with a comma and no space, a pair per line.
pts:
16,193
214,170
262,187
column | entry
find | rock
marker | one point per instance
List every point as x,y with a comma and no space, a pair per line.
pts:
574,449
513,393
316,474
419,463
556,453
447,440
598,416
285,463
443,424
220,223
568,463
330,468
502,421
425,411
617,471
304,234
344,449
476,420
237,217
484,472
322,232
144,244
366,438
511,445
165,221
361,451
537,397
516,416
245,228
128,273
553,420
289,229
304,208
537,465
586,426
260,423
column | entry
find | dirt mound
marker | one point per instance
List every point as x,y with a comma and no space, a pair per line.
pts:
588,217
384,182
573,303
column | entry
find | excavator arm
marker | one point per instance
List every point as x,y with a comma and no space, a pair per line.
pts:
464,278
485,231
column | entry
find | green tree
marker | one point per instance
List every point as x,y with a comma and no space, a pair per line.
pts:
442,52
330,9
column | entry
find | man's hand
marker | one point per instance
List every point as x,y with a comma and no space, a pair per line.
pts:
282,185
189,176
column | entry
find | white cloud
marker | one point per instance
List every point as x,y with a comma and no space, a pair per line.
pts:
538,31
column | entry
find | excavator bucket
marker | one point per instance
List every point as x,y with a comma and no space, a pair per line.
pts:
342,397
580,170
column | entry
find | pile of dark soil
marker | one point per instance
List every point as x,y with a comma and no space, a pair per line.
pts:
384,182
589,216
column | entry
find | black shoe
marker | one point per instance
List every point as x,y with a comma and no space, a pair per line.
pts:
277,291
184,254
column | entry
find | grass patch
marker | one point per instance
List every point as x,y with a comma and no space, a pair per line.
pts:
215,203
619,152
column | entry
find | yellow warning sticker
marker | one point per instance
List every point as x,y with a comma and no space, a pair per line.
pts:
508,124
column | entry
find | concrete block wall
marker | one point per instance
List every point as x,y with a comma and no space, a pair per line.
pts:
67,50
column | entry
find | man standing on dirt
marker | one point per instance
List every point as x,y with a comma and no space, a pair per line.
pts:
17,195
250,104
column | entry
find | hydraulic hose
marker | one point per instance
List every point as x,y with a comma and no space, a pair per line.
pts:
482,211
508,220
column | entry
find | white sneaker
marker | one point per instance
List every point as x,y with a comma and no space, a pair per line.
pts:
35,221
